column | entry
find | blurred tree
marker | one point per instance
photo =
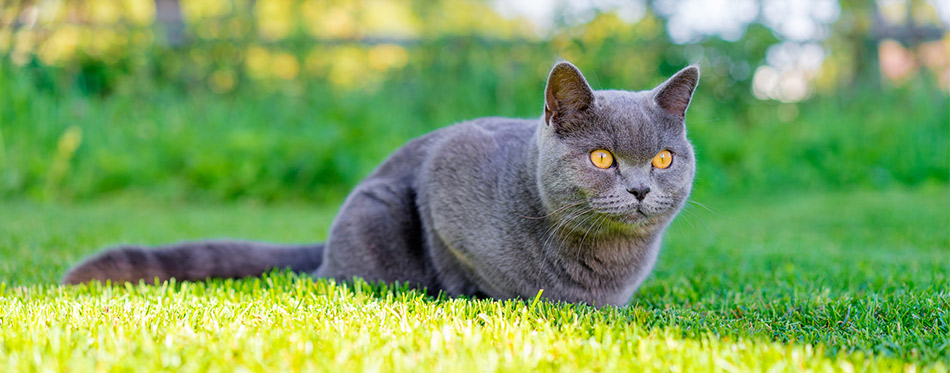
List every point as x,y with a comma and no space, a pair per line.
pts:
168,17
243,74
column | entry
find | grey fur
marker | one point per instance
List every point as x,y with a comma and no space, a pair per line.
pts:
492,207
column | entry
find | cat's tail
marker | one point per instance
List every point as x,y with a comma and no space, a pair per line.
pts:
194,261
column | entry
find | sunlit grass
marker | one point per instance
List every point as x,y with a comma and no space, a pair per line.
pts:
855,281
288,323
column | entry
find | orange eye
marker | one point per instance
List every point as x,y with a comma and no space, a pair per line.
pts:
602,158
663,159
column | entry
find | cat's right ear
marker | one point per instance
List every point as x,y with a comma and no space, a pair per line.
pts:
674,95
567,92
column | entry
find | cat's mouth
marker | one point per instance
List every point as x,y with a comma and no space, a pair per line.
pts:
630,213
633,216
636,216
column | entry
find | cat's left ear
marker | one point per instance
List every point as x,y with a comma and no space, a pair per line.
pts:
567,92
674,95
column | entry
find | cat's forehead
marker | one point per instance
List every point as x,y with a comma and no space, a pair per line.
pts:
630,119
631,107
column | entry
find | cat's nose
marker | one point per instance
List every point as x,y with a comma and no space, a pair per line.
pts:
639,191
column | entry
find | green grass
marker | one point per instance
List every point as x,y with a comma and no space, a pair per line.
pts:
833,281
314,145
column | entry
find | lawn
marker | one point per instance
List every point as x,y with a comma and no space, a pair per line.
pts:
853,280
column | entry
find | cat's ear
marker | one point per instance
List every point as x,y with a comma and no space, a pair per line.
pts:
566,92
674,95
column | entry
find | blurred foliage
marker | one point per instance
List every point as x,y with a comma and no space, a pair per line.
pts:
303,101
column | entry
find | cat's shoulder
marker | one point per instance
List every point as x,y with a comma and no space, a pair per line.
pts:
503,125
478,147
465,141
490,129
484,138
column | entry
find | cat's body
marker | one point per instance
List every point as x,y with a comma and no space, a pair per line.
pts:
493,207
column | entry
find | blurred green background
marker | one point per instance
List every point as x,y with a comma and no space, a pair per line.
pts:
297,100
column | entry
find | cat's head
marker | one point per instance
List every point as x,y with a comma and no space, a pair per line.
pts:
615,158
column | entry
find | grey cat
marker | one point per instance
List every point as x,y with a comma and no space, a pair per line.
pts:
574,203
